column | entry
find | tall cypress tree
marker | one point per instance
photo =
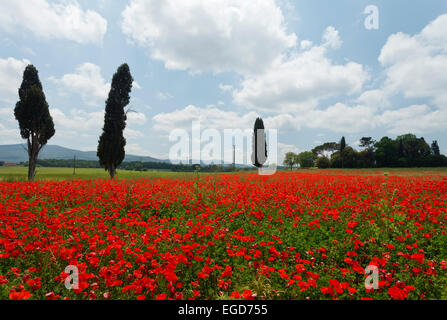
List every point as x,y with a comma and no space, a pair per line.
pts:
342,147
435,148
33,114
112,142
259,155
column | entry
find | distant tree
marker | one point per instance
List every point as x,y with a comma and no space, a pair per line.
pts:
306,159
335,161
349,157
259,155
342,144
414,150
290,160
367,143
111,143
1,163
365,159
33,114
400,148
342,147
387,153
328,147
323,162
435,148
367,156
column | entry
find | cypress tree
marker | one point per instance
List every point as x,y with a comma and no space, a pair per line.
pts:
435,148
342,147
112,142
33,114
259,155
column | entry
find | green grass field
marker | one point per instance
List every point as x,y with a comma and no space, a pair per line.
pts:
21,173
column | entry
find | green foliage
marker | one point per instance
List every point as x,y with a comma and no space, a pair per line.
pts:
367,142
290,160
323,162
328,147
33,114
405,151
342,144
307,159
112,142
435,148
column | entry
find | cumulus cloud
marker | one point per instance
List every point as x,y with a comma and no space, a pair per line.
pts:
11,72
209,118
88,82
341,118
9,136
299,83
416,66
376,99
136,118
77,120
209,35
61,20
418,119
331,38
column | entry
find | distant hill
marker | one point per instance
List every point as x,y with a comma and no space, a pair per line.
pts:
17,153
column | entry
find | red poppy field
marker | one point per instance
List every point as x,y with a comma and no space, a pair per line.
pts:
238,236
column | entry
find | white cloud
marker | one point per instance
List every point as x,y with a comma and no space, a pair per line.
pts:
9,136
416,66
133,134
306,44
331,38
338,118
62,20
376,99
209,35
88,82
136,118
417,119
300,83
283,149
136,149
211,117
77,120
11,72
341,118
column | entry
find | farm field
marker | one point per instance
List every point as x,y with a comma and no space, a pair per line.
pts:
295,235
45,173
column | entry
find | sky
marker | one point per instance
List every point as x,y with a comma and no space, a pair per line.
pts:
313,70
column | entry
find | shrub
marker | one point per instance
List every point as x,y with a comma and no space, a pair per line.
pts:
323,162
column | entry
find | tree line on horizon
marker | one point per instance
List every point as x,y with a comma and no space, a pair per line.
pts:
405,151
134,165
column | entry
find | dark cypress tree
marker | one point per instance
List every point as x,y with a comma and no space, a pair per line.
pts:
112,142
342,147
342,144
400,148
435,148
33,114
259,155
